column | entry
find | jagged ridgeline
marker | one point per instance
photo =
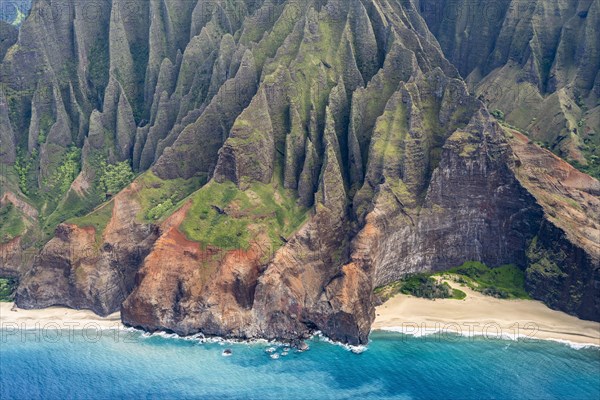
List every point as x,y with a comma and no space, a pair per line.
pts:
535,62
256,168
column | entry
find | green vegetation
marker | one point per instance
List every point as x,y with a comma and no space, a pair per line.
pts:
423,285
98,61
269,44
542,264
159,198
76,207
420,285
23,166
158,211
499,115
65,174
11,223
46,122
72,205
49,198
19,17
592,155
115,177
109,179
140,55
97,219
226,217
7,289
16,100
514,128
505,282
52,200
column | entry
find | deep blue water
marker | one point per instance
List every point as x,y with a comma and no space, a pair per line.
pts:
394,366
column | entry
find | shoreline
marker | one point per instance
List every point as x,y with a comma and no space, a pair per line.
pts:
479,315
56,318
476,315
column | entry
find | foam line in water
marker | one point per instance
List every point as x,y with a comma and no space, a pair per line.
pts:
201,338
354,349
424,332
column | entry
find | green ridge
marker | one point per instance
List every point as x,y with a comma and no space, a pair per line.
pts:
97,219
224,216
11,223
158,197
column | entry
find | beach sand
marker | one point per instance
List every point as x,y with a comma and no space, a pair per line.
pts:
55,318
476,314
479,314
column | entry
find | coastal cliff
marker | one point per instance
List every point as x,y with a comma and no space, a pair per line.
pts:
256,171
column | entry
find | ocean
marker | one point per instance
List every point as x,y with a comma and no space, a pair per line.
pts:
128,364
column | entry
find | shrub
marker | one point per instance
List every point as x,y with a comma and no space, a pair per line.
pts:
46,122
7,288
115,177
495,292
421,285
499,115
158,211
23,165
458,294
67,170
471,269
507,281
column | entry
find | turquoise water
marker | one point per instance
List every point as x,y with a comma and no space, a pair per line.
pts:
64,365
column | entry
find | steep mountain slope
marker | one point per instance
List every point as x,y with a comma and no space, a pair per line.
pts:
292,156
14,12
536,61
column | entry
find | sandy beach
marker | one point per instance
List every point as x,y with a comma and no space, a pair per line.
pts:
484,315
476,314
55,318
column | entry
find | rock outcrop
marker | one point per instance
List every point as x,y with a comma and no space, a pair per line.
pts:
83,268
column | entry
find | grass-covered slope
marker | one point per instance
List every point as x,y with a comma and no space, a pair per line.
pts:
11,223
228,218
507,281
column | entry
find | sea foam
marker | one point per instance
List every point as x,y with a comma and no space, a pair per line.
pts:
422,332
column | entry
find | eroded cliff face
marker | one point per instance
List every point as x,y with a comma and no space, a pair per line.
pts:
564,257
89,267
535,61
293,156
